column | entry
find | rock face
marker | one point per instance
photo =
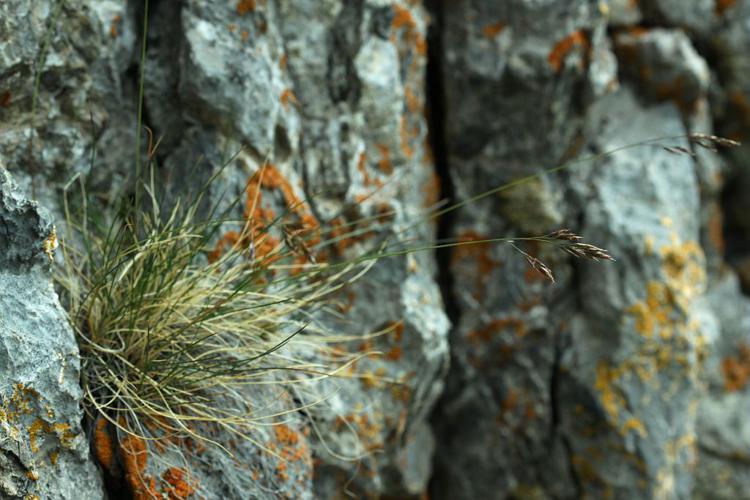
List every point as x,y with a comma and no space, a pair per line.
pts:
43,451
626,379
596,387
332,95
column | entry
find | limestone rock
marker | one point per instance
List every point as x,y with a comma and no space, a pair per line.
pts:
43,450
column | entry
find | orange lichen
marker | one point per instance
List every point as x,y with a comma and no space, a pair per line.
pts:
531,275
384,164
683,267
489,331
281,472
394,354
637,31
283,61
530,412
285,435
404,21
406,137
134,458
723,5
373,379
245,6
337,232
716,228
367,430
398,330
478,252
362,168
5,99
179,487
259,217
736,369
494,29
420,45
288,96
413,103
401,393
104,448
245,35
562,48
228,240
677,92
509,402
274,179
291,448
402,18
113,33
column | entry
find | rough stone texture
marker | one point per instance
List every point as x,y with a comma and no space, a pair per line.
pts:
732,112
82,96
723,433
270,461
43,450
624,379
499,421
590,387
331,93
634,342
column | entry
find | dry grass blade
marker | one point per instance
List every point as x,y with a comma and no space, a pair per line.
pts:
567,241
171,340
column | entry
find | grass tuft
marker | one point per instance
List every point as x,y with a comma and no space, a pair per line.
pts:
172,333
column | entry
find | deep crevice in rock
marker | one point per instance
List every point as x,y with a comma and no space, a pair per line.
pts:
555,418
438,143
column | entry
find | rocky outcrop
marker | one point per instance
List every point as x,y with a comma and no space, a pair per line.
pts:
594,387
624,379
43,450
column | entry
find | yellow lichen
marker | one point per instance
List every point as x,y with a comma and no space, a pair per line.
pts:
634,424
652,314
610,396
50,244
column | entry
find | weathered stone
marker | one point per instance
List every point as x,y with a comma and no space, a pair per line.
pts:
555,392
697,16
665,64
271,460
47,136
331,94
43,450
623,12
626,379
636,333
723,434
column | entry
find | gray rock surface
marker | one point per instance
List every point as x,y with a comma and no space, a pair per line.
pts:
43,450
622,380
590,387
723,433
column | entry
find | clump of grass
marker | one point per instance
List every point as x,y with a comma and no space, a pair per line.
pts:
168,335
